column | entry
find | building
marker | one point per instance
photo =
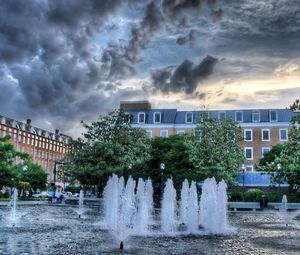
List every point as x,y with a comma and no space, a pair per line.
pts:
47,149
262,128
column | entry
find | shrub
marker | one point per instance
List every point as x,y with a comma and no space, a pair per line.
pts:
235,196
254,195
293,198
274,196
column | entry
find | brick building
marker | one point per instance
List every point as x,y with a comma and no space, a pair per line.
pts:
262,128
46,148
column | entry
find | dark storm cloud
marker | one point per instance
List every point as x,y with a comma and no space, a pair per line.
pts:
189,38
120,60
184,77
46,47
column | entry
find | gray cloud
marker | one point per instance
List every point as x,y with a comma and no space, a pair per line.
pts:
189,38
184,77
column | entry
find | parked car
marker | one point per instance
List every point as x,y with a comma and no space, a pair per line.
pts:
40,194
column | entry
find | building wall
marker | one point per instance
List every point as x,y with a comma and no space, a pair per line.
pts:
44,150
256,144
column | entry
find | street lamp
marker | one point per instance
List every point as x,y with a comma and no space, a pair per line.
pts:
162,168
243,176
279,167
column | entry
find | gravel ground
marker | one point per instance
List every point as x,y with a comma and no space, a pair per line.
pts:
57,230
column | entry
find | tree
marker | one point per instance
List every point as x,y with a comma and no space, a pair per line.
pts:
215,148
8,156
174,152
36,176
109,146
15,174
289,156
270,156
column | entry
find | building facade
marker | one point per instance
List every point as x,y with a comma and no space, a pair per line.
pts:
47,149
261,128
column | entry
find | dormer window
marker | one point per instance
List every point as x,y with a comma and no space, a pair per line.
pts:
141,117
222,115
189,117
157,117
239,116
273,116
256,116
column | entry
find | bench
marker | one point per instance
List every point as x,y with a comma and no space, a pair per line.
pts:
290,206
243,205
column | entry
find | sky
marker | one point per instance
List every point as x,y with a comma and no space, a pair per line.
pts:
63,62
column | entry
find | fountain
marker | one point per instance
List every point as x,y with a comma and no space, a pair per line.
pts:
193,210
80,209
283,213
131,213
13,218
168,209
183,204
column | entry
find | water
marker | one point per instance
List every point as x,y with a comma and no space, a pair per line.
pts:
80,211
168,209
193,210
129,212
284,214
55,230
183,206
13,217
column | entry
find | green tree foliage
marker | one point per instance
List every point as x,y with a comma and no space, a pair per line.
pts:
109,146
270,156
215,148
289,157
8,155
173,151
12,174
36,176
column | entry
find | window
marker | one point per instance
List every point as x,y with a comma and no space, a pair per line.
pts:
249,153
239,116
221,115
273,115
264,150
164,133
248,135
283,134
156,117
249,168
265,134
149,133
141,117
180,132
256,116
189,117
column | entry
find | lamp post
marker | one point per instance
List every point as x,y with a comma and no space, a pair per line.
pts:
279,167
23,190
243,176
162,168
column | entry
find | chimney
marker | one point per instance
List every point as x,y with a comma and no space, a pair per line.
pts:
56,131
28,121
135,105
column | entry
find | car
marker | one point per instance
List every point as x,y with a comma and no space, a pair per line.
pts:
40,194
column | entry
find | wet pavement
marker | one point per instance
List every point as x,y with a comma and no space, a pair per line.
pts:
58,230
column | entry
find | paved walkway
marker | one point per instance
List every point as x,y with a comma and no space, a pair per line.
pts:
20,202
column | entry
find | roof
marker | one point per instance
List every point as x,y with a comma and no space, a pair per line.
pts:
173,116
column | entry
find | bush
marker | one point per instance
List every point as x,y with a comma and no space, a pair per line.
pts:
73,189
293,198
254,195
274,196
235,196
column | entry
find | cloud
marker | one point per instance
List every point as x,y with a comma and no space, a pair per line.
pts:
185,77
190,37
